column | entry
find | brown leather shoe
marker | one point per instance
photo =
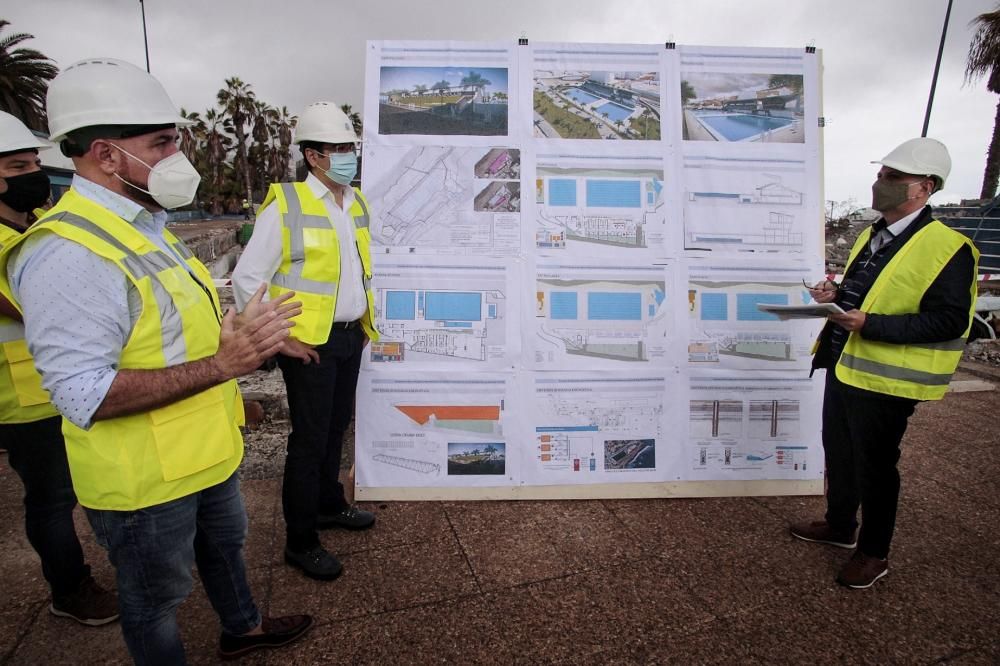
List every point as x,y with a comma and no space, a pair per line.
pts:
276,631
819,531
90,604
861,571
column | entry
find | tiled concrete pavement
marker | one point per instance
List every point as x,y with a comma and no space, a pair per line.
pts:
602,582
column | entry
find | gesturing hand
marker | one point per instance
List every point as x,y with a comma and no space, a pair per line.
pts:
256,334
282,306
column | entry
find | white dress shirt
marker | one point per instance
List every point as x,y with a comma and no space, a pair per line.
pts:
885,235
262,256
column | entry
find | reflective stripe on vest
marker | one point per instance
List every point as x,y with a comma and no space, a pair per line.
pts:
145,265
297,222
319,258
920,371
22,398
130,462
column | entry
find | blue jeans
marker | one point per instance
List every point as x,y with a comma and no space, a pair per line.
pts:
153,549
37,453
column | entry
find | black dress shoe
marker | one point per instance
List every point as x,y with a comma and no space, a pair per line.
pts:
277,631
351,518
316,563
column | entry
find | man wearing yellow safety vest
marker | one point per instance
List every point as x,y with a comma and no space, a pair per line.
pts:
126,331
908,294
30,426
312,237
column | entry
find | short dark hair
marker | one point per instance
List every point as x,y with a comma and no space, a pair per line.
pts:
19,150
77,142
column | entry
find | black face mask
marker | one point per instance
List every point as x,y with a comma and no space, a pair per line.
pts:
26,191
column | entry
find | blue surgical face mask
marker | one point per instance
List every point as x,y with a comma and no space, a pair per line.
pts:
343,167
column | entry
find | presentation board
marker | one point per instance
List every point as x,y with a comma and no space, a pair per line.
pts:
570,245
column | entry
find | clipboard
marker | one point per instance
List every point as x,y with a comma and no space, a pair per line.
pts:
810,311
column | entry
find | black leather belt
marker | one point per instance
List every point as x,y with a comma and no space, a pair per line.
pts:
346,324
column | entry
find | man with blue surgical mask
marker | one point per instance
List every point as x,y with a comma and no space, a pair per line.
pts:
312,237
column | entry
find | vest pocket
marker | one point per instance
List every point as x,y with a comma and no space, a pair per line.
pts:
27,381
193,434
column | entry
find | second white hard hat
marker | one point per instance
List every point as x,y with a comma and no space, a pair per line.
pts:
324,122
920,157
14,135
105,91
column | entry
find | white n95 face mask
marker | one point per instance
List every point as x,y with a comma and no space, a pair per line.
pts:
173,181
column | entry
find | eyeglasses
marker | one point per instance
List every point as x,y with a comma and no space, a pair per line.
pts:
340,149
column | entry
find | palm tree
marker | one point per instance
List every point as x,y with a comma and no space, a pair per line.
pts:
283,124
476,80
217,146
354,117
687,93
237,101
984,59
191,138
24,79
441,86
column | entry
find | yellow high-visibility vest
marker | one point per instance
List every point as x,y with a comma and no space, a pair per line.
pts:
22,398
310,259
130,462
920,371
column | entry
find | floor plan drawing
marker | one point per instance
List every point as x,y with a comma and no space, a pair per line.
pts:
728,330
582,314
598,209
445,312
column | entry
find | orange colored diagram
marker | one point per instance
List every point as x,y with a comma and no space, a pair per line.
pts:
422,413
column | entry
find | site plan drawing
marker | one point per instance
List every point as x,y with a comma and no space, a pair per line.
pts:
598,316
444,199
599,206
750,427
435,429
436,311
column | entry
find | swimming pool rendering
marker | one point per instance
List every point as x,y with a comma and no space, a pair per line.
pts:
597,105
739,126
742,107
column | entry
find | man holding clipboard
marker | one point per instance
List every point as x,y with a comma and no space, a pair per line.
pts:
907,297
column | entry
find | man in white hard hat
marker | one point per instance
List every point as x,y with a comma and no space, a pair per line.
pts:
908,292
312,237
30,426
127,332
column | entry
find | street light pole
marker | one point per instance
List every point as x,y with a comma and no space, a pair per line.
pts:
937,67
145,42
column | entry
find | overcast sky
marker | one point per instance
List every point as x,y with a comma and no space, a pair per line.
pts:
878,55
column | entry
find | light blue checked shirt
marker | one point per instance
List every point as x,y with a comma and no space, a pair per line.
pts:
79,308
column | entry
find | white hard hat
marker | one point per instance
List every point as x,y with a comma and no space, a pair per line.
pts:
14,135
920,157
324,122
105,91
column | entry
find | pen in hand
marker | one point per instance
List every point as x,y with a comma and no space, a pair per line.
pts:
824,291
